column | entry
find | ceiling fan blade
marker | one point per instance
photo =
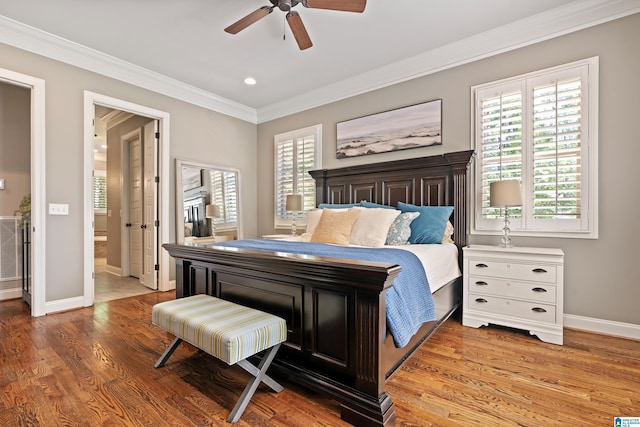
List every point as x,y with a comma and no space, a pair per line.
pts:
298,30
243,23
342,5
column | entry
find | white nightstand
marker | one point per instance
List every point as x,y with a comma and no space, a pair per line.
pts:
516,287
289,237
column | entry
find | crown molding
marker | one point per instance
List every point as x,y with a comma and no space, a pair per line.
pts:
559,21
31,39
547,25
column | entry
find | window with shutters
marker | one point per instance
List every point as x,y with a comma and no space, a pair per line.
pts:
540,129
100,191
296,153
224,194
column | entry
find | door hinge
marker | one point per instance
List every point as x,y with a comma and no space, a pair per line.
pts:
157,223
157,179
157,135
156,267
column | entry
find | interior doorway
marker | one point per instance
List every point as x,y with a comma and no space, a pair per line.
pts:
36,186
153,179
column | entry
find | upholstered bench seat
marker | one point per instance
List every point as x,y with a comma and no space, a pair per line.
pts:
227,331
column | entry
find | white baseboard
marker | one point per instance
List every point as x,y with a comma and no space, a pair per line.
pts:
116,271
608,327
12,293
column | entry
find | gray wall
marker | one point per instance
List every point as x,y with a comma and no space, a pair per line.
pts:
601,276
196,133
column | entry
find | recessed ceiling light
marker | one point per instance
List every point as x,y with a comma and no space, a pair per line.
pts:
104,146
250,81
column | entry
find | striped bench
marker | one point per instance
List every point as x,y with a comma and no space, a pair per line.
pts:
227,331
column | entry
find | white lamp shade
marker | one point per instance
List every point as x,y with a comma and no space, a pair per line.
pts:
294,202
505,193
212,211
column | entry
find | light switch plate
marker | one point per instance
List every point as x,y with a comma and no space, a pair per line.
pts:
1,183
58,209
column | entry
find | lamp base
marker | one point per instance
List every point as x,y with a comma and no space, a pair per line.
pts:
505,242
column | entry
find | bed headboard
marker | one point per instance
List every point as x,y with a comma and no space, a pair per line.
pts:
426,181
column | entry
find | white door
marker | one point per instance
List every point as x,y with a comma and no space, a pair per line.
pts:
135,209
150,225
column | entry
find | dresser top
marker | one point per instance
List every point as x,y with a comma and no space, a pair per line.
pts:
514,250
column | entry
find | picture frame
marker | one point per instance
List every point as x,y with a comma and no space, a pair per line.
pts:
191,178
414,126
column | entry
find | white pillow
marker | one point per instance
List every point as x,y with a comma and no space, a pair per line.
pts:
371,226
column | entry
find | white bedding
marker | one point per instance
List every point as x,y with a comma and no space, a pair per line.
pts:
440,262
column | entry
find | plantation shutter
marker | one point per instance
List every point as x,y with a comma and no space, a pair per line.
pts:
100,192
535,129
501,144
224,194
296,154
557,150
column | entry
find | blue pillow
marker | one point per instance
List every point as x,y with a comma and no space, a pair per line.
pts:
366,204
337,205
429,226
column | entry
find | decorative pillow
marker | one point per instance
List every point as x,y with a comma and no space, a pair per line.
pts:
313,218
430,225
372,226
448,232
400,229
337,205
366,204
335,226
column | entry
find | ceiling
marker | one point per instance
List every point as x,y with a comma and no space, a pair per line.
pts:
181,44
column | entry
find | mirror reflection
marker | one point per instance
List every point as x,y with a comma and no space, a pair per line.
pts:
207,203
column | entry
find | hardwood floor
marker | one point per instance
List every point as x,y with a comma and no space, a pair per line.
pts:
94,366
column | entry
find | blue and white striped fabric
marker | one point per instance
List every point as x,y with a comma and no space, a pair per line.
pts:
228,331
409,300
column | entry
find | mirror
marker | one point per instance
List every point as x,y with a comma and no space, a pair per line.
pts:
207,203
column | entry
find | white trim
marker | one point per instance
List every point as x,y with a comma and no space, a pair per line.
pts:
38,187
34,40
559,21
63,304
562,20
601,326
91,99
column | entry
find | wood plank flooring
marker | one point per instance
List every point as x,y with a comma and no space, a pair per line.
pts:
94,367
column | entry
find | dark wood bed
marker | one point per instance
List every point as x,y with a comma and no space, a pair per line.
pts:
335,308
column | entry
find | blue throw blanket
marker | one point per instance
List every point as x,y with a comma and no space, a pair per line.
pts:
409,300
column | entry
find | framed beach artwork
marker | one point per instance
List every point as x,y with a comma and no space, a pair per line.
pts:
414,126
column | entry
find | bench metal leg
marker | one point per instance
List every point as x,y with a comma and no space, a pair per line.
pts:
167,353
259,375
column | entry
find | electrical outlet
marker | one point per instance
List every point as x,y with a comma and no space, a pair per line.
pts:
58,209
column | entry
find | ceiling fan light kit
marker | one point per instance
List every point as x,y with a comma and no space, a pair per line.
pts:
293,18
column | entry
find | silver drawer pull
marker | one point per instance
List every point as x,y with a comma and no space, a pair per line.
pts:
482,300
481,283
539,270
539,290
539,310
481,265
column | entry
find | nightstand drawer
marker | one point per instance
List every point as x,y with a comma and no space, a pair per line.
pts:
512,289
533,272
523,310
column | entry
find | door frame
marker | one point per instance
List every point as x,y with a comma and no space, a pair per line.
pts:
91,99
38,185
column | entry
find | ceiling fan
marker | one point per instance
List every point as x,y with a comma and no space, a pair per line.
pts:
293,18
